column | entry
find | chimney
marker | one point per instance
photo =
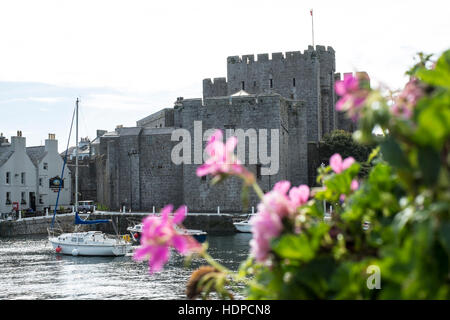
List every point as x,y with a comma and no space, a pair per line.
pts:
51,144
18,142
100,133
2,139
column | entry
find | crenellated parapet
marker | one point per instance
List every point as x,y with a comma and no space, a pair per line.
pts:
361,75
215,88
280,56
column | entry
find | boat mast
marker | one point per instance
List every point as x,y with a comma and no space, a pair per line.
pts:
76,160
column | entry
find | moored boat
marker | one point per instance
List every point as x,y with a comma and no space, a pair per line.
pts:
90,243
198,235
244,226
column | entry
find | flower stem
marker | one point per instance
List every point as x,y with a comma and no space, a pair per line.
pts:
236,277
258,190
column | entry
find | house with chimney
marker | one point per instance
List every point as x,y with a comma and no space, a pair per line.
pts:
30,176
17,175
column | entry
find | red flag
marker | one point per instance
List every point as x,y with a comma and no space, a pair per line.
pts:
310,11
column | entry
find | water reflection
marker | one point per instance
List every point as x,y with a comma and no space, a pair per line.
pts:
31,270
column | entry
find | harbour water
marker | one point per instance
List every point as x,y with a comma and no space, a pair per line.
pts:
30,269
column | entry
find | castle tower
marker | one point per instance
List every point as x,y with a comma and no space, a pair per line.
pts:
307,76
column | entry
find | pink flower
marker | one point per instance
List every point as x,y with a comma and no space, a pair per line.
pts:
407,100
159,234
222,160
338,165
352,95
299,195
265,227
354,185
277,204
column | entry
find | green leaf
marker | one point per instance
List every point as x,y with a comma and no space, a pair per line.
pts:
295,247
433,120
444,236
393,153
440,75
429,163
302,246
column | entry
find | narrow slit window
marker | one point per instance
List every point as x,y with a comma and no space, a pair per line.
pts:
271,83
258,171
293,82
242,85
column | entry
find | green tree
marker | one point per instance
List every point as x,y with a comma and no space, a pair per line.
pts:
342,142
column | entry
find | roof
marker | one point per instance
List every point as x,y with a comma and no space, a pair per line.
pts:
36,154
240,93
83,150
5,154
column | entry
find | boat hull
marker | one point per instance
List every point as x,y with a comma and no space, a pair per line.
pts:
243,227
136,236
200,237
90,249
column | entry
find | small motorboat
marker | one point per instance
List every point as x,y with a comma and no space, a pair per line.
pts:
244,225
198,235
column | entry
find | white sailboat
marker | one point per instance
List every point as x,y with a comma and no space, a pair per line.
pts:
90,243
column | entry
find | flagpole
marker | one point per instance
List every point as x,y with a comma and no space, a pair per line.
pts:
312,24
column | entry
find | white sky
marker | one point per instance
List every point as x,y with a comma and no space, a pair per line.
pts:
128,59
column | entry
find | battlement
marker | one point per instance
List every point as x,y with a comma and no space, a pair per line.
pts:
215,87
361,75
231,100
192,103
279,56
215,81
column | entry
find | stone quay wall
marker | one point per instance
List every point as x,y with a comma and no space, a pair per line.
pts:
211,223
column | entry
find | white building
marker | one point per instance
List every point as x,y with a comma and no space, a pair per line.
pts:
29,177
49,165
17,175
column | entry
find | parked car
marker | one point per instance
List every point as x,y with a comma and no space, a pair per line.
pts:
86,206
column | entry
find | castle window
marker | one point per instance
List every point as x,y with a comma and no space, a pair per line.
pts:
271,83
23,198
8,177
8,198
293,82
22,177
242,85
204,178
45,166
258,171
254,83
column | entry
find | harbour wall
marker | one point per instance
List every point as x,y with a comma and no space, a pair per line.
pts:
211,223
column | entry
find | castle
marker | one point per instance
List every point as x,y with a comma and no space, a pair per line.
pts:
291,94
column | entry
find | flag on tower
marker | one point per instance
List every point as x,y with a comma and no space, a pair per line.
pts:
312,25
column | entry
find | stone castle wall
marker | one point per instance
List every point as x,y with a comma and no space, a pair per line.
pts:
292,93
250,112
